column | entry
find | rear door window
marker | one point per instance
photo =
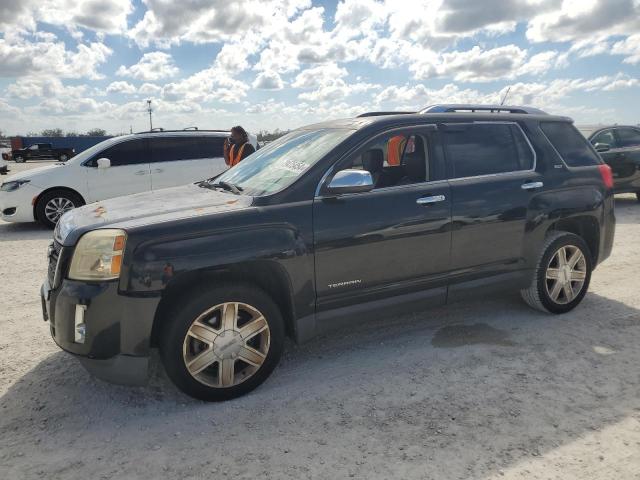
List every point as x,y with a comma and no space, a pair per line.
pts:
485,149
628,137
171,149
572,147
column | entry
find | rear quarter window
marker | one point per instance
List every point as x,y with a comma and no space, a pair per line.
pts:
486,149
570,144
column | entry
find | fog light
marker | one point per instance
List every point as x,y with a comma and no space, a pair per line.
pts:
80,327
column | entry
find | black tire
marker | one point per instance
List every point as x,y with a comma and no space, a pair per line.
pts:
41,205
19,159
537,295
179,318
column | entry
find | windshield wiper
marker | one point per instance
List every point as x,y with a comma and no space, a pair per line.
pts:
229,187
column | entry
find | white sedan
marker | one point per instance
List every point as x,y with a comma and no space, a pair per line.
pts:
119,166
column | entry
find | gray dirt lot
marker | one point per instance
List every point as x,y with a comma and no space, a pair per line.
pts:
485,389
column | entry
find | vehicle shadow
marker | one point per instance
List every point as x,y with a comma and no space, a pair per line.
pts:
465,391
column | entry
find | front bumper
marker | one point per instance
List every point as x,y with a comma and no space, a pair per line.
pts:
17,206
117,328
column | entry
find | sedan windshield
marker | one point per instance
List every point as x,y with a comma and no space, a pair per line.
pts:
280,163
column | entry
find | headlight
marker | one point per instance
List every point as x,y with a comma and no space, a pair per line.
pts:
98,255
13,185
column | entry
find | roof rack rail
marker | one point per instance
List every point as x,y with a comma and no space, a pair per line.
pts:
473,108
193,129
379,114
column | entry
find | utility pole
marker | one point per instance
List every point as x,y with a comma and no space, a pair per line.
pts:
149,109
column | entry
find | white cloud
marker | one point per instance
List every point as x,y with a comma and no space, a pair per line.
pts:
268,81
121,87
20,56
107,16
149,89
629,47
328,83
580,19
152,66
43,86
168,22
542,94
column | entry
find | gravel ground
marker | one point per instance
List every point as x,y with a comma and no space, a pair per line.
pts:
480,390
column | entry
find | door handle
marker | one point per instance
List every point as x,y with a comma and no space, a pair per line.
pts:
431,199
532,185
141,172
158,170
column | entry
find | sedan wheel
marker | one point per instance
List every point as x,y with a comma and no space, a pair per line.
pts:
226,345
565,274
63,158
56,207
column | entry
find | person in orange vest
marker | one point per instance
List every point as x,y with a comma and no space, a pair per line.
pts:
395,147
237,147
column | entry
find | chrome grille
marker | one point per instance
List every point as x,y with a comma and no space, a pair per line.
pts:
54,254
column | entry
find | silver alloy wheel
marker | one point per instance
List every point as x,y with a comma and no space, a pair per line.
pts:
63,158
226,344
55,207
565,275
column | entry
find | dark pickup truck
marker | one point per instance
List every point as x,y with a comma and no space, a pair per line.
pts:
331,224
39,151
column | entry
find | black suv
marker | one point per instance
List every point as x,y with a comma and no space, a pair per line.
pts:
326,226
619,147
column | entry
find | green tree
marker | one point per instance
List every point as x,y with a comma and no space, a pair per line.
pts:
96,132
52,132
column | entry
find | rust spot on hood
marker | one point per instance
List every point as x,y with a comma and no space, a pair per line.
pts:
100,211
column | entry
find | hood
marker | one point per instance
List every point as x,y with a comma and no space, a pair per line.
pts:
34,173
148,208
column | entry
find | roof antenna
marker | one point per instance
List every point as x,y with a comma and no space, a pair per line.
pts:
505,95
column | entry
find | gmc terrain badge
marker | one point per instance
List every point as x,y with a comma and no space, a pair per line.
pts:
345,284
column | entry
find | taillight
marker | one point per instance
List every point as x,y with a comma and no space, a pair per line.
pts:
607,175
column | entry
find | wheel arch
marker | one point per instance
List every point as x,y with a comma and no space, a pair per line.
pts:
584,226
51,189
266,275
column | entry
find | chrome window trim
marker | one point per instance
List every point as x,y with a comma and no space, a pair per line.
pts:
509,173
387,189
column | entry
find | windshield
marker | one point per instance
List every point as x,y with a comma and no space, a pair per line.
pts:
98,147
280,163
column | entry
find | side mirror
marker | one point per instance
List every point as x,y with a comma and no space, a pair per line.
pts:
602,147
103,163
351,181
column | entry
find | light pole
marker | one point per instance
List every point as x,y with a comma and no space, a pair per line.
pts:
149,109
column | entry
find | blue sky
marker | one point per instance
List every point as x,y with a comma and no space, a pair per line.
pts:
80,64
